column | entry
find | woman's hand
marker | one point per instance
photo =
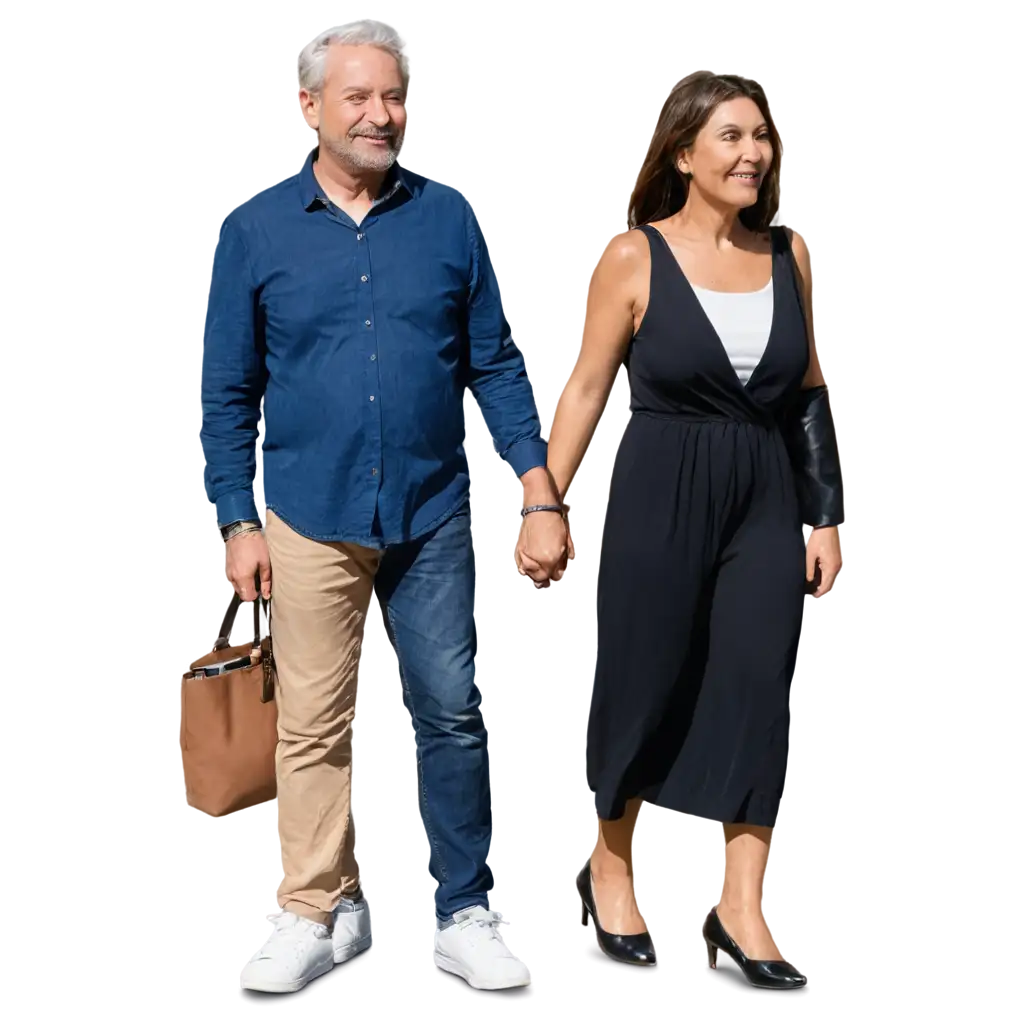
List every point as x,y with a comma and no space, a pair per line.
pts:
824,557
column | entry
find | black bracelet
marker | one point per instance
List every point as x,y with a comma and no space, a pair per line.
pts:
542,508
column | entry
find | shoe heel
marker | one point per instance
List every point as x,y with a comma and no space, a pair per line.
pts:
712,954
583,916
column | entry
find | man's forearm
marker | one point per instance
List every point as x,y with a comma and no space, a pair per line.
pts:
506,400
228,437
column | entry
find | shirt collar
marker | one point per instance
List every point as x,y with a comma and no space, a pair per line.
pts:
310,190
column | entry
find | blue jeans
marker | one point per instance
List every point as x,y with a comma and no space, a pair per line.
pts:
426,590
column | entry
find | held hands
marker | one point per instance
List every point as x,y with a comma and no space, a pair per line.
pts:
824,560
545,547
246,557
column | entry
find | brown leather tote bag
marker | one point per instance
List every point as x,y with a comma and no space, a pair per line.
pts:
226,722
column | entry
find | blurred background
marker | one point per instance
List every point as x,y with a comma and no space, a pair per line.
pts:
902,141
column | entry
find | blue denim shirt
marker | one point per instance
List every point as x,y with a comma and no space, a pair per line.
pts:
360,341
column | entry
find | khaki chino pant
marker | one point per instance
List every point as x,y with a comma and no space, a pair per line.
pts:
321,592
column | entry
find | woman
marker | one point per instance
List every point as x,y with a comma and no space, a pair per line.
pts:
703,568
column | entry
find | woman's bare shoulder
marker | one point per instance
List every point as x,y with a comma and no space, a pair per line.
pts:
625,254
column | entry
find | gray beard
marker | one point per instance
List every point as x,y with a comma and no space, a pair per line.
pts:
345,151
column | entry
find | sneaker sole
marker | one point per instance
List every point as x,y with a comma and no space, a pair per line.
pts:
281,987
446,963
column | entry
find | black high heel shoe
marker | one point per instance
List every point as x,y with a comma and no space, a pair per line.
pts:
627,949
762,973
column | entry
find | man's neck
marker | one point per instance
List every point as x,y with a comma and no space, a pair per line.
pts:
352,190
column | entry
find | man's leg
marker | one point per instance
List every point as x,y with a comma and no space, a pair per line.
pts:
320,595
426,592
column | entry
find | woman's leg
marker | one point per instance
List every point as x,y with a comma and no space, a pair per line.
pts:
757,612
611,866
739,910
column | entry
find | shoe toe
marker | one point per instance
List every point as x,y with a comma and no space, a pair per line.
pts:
262,975
512,975
780,974
518,974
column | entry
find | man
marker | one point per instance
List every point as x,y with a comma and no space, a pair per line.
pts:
357,300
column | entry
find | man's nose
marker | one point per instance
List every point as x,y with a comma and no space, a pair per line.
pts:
377,111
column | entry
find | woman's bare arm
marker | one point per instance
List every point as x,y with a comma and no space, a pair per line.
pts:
618,288
814,376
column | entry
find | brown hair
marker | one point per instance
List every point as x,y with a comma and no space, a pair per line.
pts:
660,189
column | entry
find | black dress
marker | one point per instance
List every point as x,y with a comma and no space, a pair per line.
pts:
701,586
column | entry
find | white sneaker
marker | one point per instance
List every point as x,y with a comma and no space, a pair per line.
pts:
351,929
298,951
472,948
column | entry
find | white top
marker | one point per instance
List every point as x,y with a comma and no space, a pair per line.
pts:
742,321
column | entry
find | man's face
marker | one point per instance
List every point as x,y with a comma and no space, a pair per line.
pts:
360,112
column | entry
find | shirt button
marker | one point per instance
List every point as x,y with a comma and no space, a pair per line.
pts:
364,278
374,471
359,237
373,359
371,398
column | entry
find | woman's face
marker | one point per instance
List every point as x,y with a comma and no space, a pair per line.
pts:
731,154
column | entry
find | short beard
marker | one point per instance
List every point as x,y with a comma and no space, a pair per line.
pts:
346,152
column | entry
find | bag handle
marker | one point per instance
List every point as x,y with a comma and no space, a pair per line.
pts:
262,647
261,639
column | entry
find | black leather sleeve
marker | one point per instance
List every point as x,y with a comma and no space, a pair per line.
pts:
811,441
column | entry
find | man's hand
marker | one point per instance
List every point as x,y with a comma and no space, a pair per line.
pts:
824,556
246,556
543,549
543,545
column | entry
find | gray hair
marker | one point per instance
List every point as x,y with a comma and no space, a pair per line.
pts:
313,59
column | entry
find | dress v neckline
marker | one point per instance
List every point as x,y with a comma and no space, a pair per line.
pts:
743,386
